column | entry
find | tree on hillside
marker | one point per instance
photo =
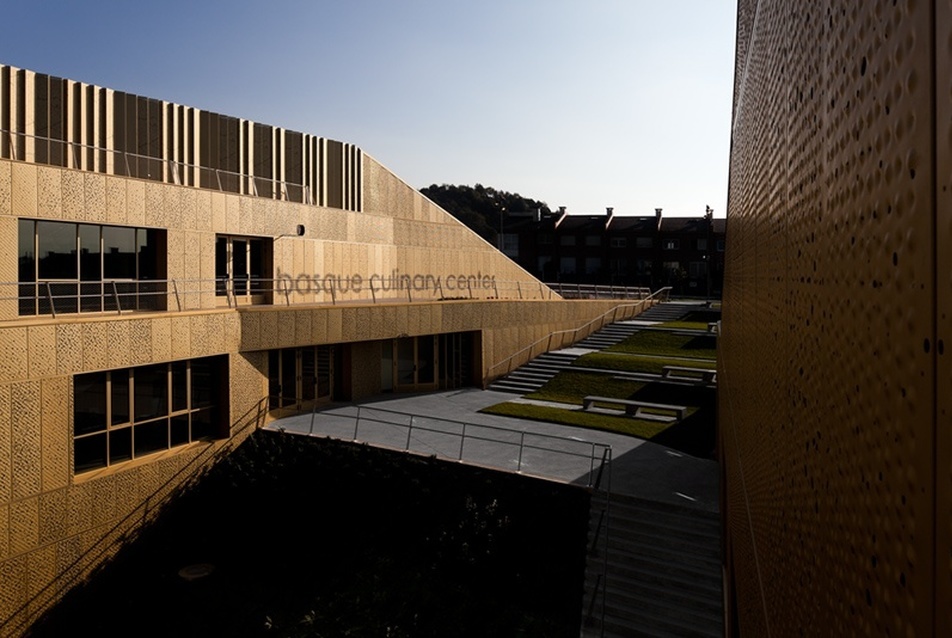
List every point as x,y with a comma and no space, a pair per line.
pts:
478,207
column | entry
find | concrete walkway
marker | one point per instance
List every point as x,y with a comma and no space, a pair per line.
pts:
557,452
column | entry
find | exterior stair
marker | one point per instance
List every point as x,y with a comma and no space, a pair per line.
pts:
669,311
660,568
608,336
534,374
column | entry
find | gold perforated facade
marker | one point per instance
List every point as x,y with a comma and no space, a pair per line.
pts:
836,392
169,277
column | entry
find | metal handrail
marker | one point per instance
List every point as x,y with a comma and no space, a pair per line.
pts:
54,297
596,453
599,291
170,171
658,296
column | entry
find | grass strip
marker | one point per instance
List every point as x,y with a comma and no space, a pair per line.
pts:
624,362
619,424
684,325
657,342
570,386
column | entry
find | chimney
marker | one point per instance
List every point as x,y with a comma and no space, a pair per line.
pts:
561,216
561,210
609,215
609,211
657,213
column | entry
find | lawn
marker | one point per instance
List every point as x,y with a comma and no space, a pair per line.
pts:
693,435
659,342
624,362
621,424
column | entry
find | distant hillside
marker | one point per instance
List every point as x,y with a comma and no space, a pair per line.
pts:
478,206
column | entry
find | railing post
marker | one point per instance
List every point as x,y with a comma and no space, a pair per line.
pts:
495,289
49,297
462,440
218,179
591,469
356,424
373,293
287,292
522,443
409,433
519,288
333,293
178,302
115,295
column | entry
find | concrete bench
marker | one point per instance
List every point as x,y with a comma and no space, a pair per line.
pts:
683,373
637,408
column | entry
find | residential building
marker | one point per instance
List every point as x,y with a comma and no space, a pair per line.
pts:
686,253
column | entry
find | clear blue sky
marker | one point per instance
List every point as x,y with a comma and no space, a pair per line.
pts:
578,103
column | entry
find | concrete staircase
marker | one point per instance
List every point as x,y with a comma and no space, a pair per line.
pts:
535,374
669,311
608,336
663,570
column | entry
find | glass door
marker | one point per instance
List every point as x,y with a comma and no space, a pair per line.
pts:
415,364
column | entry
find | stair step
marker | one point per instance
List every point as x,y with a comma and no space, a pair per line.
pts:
707,582
656,614
704,600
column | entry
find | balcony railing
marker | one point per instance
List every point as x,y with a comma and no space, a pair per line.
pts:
54,297
44,150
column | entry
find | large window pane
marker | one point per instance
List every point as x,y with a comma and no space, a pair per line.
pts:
26,260
179,386
89,453
201,383
288,377
151,436
221,265
90,261
274,379
179,430
120,445
239,265
57,250
151,392
120,396
89,403
405,361
425,360
119,252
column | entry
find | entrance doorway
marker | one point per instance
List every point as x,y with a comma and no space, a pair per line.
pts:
299,378
415,364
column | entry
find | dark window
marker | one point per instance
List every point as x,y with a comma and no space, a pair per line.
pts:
242,265
644,242
671,244
88,267
164,412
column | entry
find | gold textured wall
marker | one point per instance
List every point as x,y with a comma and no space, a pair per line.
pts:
55,526
835,387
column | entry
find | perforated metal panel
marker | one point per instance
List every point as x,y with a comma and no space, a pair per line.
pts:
834,430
